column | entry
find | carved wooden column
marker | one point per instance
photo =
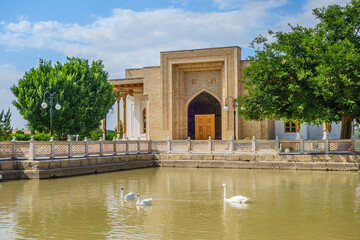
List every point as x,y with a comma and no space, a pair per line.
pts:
329,127
297,128
325,131
104,127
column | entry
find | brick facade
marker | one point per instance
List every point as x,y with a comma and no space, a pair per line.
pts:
183,75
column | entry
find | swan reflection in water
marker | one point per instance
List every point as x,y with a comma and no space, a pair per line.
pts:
238,205
144,208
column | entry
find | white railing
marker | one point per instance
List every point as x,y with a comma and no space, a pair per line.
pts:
66,149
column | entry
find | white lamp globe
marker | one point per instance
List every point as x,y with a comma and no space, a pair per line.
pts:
44,105
226,108
57,106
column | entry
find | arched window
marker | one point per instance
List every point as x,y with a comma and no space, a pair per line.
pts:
144,121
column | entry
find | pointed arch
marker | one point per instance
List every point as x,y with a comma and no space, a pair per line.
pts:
203,103
198,93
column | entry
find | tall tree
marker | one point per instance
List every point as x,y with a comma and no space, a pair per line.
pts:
80,88
308,74
5,127
337,38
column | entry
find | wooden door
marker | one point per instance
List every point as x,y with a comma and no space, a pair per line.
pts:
204,127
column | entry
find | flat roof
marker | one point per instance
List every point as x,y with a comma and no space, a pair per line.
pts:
200,49
126,80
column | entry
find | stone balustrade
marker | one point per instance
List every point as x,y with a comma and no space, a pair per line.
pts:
32,149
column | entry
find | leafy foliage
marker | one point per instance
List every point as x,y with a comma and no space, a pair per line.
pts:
81,89
37,137
5,127
96,134
308,74
21,136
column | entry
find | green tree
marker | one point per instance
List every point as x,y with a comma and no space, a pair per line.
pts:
308,74
5,127
81,89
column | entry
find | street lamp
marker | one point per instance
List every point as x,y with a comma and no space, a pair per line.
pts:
104,123
226,108
57,107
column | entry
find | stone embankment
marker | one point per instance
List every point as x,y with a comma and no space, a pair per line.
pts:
52,168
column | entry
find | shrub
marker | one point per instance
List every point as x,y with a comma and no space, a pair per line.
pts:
27,137
97,133
21,136
42,137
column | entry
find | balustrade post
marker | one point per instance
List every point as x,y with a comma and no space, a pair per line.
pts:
52,147
149,146
77,137
127,145
32,149
301,146
114,145
209,144
138,145
86,147
189,145
231,147
254,144
13,147
353,143
169,145
70,147
277,144
101,147
326,146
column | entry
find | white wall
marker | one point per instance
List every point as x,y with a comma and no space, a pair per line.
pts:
308,131
134,107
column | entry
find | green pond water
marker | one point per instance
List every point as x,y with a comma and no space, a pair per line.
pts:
187,204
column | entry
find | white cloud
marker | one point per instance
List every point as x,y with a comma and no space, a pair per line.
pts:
305,17
8,77
183,3
133,39
248,4
130,39
21,17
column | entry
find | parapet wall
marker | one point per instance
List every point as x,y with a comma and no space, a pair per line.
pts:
52,168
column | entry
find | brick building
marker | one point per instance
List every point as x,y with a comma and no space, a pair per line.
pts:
185,97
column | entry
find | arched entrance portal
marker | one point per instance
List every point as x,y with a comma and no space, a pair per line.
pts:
204,116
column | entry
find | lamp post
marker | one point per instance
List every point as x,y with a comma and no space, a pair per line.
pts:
226,108
104,123
57,107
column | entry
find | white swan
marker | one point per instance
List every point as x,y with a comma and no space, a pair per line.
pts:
235,199
143,202
130,195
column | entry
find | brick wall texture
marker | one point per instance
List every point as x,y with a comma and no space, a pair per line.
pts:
183,75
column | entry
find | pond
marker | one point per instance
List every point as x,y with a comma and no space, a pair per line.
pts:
186,204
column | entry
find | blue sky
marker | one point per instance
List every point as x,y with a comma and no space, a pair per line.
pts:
130,34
